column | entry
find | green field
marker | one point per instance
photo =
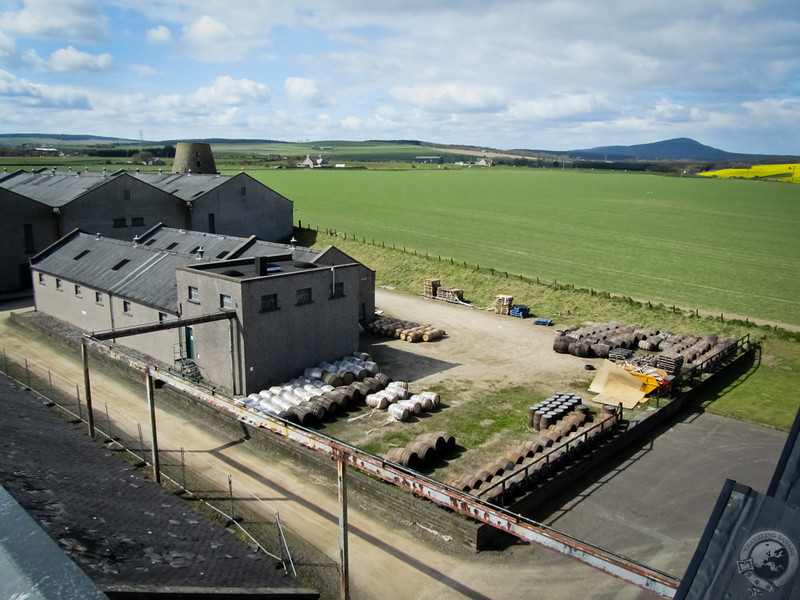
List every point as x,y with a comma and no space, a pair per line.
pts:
723,246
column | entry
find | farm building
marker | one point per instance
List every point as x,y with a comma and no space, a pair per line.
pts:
39,208
428,160
289,307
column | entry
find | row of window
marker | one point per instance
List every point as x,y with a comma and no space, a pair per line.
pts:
270,301
98,296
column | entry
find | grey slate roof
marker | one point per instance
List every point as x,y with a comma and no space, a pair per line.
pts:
58,188
148,275
53,189
118,526
185,187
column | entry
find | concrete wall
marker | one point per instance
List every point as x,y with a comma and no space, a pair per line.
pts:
123,197
274,346
243,207
17,212
366,281
88,313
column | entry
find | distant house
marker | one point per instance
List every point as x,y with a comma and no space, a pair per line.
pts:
39,208
429,160
290,307
483,162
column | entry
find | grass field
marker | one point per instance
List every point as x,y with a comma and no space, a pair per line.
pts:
725,246
762,393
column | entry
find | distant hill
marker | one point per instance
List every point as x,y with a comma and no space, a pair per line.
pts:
677,149
674,149
41,139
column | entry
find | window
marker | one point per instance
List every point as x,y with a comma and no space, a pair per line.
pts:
120,264
77,290
212,225
137,221
244,191
337,289
41,278
172,245
30,248
126,194
58,284
269,302
162,317
98,297
194,294
225,302
126,307
80,254
122,222
150,242
304,296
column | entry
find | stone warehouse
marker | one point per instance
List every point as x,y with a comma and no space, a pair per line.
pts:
39,208
291,307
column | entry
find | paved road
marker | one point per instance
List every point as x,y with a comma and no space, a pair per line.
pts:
651,505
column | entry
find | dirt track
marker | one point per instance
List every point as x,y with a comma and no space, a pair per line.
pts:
391,564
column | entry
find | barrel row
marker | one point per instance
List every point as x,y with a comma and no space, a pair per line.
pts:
344,371
423,450
320,392
546,463
604,340
408,331
399,403
496,467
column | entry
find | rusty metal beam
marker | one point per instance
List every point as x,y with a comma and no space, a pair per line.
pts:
619,566
140,329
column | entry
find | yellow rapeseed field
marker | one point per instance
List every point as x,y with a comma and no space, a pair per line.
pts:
786,172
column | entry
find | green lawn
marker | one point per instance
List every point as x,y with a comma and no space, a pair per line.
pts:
718,245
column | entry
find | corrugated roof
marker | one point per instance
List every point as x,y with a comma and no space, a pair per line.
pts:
185,187
146,273
53,188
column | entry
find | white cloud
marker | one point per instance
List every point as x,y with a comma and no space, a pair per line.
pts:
505,73
24,94
144,70
70,59
305,91
71,20
450,97
559,106
226,91
158,35
210,40
785,110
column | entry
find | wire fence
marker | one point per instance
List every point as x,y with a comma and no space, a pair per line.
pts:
552,284
183,472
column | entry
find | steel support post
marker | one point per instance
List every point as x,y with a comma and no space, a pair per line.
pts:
151,404
87,388
343,551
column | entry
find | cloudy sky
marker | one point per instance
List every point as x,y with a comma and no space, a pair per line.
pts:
557,74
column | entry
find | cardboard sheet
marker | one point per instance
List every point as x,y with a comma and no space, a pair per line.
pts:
614,385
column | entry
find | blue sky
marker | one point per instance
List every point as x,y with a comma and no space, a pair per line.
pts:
557,75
